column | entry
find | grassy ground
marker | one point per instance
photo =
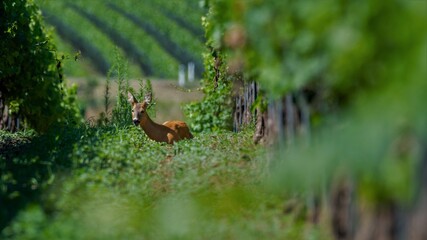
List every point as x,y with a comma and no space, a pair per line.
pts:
114,183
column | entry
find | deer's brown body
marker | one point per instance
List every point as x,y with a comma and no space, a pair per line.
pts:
169,132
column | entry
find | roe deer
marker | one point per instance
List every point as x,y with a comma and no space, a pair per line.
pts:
169,132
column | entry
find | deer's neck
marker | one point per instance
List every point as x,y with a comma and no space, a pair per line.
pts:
153,130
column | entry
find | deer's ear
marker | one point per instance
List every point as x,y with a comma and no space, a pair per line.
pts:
148,97
132,100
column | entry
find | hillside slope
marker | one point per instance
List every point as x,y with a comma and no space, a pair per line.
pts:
157,35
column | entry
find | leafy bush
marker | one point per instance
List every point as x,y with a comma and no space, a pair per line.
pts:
30,72
121,114
123,185
119,71
345,47
214,112
365,59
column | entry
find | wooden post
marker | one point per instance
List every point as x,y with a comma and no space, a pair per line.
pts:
416,228
181,76
2,109
190,72
290,118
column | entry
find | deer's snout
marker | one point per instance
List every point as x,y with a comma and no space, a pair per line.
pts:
136,121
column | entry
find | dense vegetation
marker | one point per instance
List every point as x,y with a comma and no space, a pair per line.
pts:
214,112
367,128
362,68
350,57
109,181
31,81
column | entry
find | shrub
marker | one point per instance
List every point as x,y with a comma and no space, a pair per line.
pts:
31,81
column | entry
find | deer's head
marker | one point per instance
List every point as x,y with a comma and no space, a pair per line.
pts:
139,110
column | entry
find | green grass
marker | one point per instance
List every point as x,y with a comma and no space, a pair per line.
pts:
114,183
88,31
164,65
169,28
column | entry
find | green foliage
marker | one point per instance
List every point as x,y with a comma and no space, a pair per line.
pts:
168,27
88,31
146,89
207,187
214,112
106,112
289,44
211,187
119,71
164,65
381,154
121,113
30,72
40,156
365,59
